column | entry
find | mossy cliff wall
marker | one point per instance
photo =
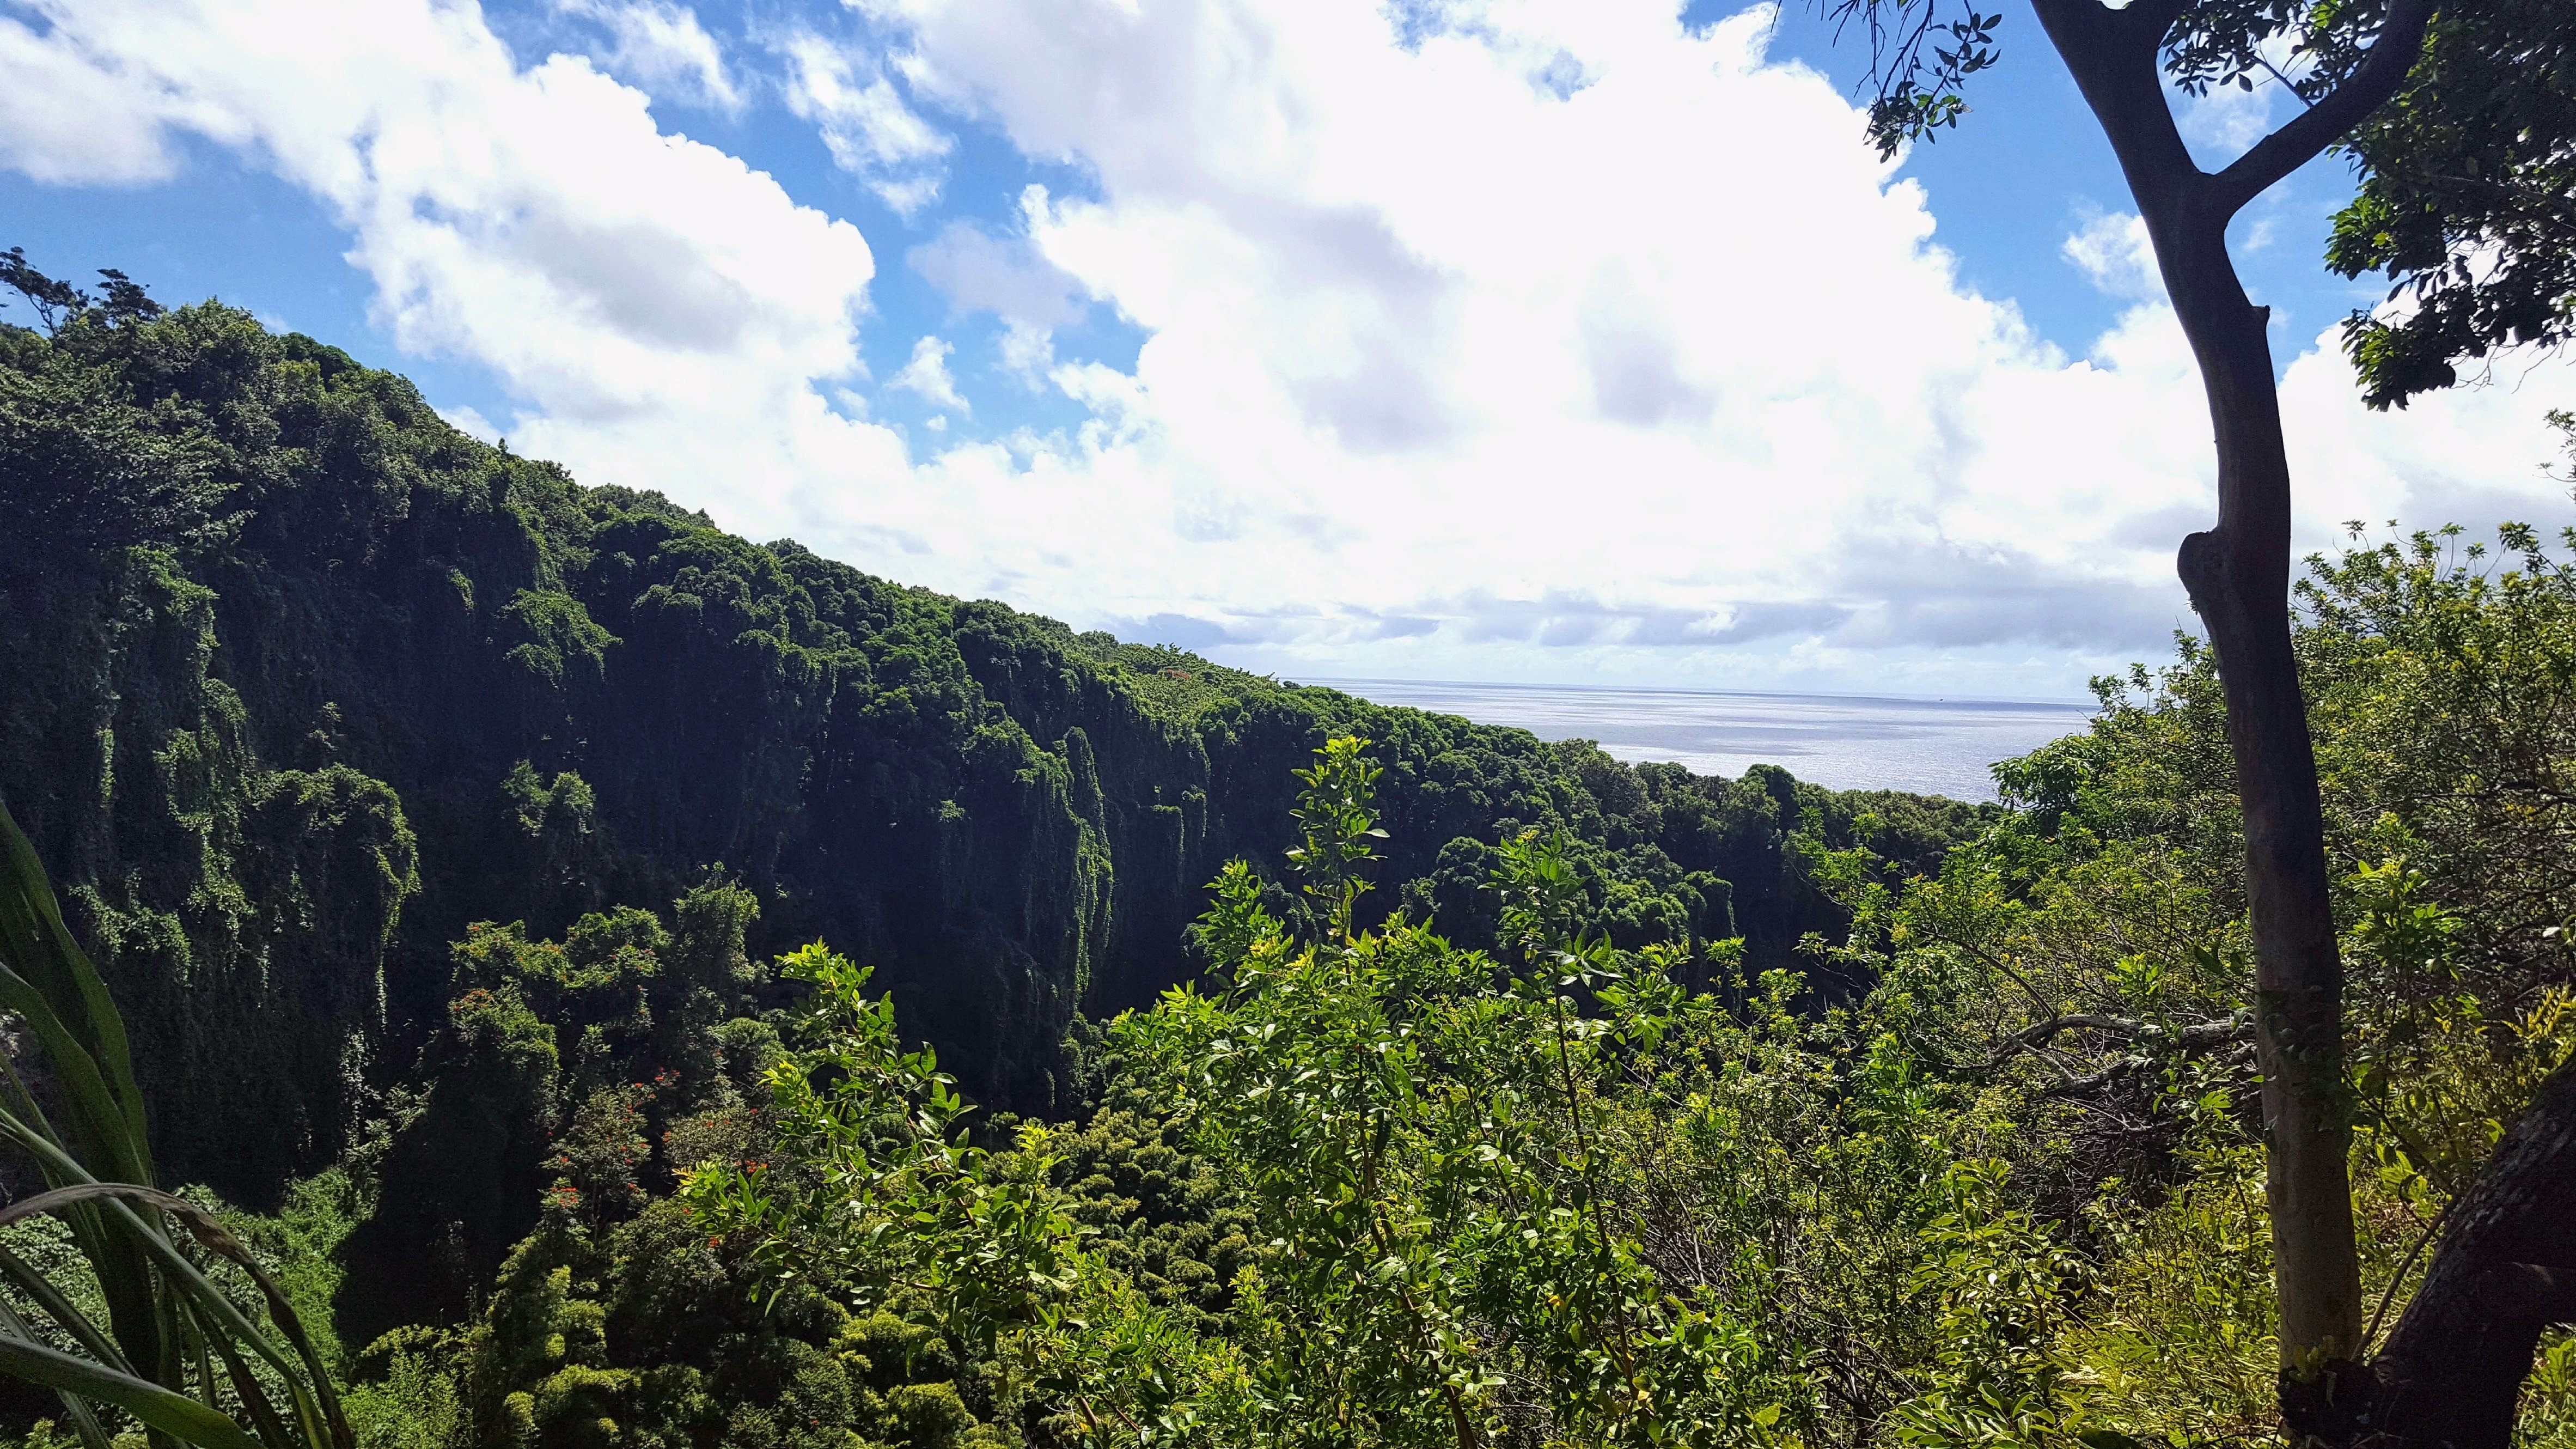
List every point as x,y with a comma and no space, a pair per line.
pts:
296,681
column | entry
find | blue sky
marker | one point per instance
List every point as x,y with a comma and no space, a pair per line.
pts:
224,225
1571,342
2026,168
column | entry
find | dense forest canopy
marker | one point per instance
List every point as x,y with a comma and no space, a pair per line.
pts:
625,985
303,684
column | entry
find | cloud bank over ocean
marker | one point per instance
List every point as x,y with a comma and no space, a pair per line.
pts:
1508,340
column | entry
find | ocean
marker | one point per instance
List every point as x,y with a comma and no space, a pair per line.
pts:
1847,742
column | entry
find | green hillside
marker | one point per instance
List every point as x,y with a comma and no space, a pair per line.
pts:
297,683
626,987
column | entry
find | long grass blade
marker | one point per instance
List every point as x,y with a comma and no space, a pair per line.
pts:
75,1408
85,1089
163,1312
62,1311
247,1388
124,1272
42,952
203,1296
167,1410
47,979
23,1102
85,1425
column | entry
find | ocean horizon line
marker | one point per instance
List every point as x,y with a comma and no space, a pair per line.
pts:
1338,681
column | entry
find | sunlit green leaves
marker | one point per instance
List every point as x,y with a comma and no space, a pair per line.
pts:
875,1195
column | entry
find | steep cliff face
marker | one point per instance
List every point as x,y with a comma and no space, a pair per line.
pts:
296,682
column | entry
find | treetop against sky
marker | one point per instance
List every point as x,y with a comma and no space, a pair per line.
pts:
1544,341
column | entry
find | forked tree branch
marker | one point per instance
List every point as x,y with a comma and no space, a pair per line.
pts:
2112,55
2148,20
2308,134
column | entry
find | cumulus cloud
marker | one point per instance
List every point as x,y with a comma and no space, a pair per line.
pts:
1431,338
471,422
2223,122
1027,353
616,279
979,272
1493,340
2112,249
1453,365
926,376
870,131
663,47
69,113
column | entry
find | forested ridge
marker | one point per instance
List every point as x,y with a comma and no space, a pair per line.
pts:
625,985
304,687
494,961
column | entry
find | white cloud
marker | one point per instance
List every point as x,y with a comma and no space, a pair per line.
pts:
2471,455
471,422
2112,250
532,220
2223,121
979,272
1454,362
927,375
662,46
871,133
1027,353
1429,343
70,114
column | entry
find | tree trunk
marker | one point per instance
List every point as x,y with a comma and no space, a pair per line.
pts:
2451,1374
2506,1267
2452,1371
2238,575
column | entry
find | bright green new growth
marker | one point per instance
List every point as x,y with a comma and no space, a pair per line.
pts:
1565,1193
1460,1176
177,1353
1364,1186
878,1193
1336,816
1539,1156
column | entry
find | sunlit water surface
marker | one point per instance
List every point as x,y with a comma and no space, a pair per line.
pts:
1849,742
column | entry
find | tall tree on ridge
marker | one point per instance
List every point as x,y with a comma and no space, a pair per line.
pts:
2463,122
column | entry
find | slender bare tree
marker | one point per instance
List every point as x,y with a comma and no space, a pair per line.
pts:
2506,1267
